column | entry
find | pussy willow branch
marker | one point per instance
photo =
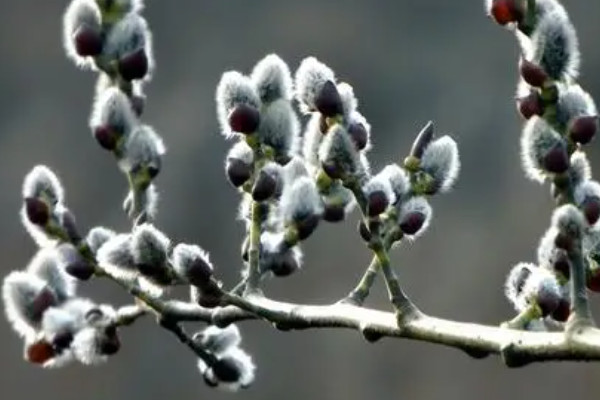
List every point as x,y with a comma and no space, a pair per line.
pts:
518,348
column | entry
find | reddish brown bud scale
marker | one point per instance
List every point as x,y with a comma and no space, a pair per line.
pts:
106,137
359,135
530,105
364,231
422,140
412,223
328,101
377,202
38,212
39,352
334,213
507,11
210,295
264,188
286,266
583,129
238,172
562,265
134,65
591,209
533,74
562,311
556,159
564,242
88,41
548,301
306,226
244,119
110,342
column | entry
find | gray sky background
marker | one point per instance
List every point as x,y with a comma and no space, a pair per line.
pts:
409,61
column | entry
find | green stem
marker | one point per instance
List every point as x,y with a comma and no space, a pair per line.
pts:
580,308
531,313
253,279
360,293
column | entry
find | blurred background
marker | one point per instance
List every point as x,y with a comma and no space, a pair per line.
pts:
409,61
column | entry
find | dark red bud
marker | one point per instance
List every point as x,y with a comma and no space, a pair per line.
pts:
226,370
507,11
583,129
556,159
548,301
591,209
562,264
106,137
422,141
44,300
564,242
88,41
38,212
199,273
334,213
377,202
134,65
39,352
562,311
530,105
359,135
210,295
74,263
412,222
244,118
238,172
328,101
265,186
306,226
285,266
532,73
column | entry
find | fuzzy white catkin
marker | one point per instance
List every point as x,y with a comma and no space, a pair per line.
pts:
537,139
554,45
580,170
143,148
573,102
85,347
78,13
20,290
380,183
416,205
186,257
234,89
309,79
243,363
272,78
357,118
241,151
149,246
219,340
116,257
42,183
294,169
97,236
337,149
515,281
349,101
398,179
300,199
312,139
37,233
46,266
112,109
547,249
279,126
586,190
130,34
569,220
441,160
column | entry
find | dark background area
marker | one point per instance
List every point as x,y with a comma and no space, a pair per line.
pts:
409,61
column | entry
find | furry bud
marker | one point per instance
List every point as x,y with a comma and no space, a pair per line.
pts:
239,164
530,105
587,198
528,284
46,266
244,118
149,248
338,154
583,129
266,184
209,296
533,74
97,236
328,100
232,371
414,216
112,118
506,12
311,77
542,150
219,340
233,90
192,264
441,161
82,31
116,257
379,194
569,222
73,263
279,127
42,184
272,78
142,155
301,205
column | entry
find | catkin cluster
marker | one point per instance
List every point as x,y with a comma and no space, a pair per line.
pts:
560,119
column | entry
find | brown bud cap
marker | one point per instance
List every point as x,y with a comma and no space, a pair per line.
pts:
306,226
507,11
583,129
377,202
359,135
532,73
264,187
199,272
591,209
133,65
244,119
562,311
106,137
547,300
328,101
563,241
39,352
210,295
422,141
38,212
412,223
562,264
530,105
226,370
286,266
74,263
109,343
238,172
556,159
88,41
334,213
